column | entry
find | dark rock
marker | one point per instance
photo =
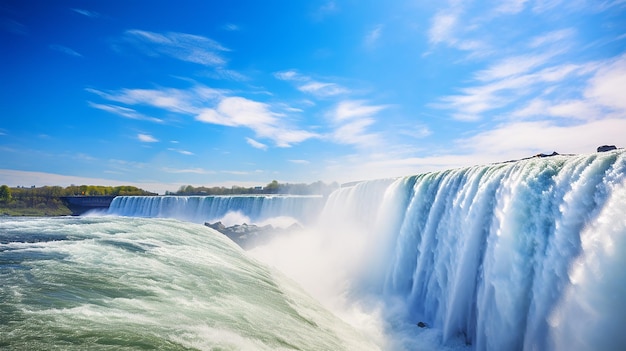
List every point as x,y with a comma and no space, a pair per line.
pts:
422,325
249,235
217,226
554,153
605,148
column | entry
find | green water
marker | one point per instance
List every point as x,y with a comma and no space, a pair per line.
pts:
106,283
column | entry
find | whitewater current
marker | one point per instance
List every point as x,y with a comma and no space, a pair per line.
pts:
99,283
525,255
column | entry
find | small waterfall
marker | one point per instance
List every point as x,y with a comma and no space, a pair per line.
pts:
198,209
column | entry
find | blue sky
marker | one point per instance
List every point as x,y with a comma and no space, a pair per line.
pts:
218,93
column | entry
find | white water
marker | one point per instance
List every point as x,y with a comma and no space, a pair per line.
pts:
230,209
516,256
105,283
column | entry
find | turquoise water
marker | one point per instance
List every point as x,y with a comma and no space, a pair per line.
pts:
107,283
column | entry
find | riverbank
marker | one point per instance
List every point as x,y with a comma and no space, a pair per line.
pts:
35,212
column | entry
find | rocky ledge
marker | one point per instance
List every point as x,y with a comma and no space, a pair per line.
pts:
250,235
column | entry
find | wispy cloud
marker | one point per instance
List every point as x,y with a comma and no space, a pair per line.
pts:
300,162
13,26
65,50
87,13
355,109
552,37
373,36
521,138
255,144
442,29
449,27
209,106
311,86
329,8
242,112
512,80
146,138
182,152
175,100
124,112
188,170
511,6
351,120
182,46
231,27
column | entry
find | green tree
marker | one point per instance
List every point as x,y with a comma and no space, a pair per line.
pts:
272,187
5,193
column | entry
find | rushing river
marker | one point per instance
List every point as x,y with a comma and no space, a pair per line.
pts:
107,283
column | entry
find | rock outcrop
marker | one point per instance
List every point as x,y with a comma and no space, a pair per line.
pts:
250,235
605,148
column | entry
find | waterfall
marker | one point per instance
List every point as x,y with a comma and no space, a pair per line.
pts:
527,255
255,208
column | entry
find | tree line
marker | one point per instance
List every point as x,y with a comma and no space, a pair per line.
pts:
46,200
274,187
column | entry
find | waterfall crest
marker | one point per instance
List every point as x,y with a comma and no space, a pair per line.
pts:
199,209
512,256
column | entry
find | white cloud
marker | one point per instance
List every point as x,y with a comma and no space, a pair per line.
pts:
255,144
236,172
350,109
87,13
505,85
188,170
323,89
511,6
601,97
453,27
182,152
124,112
607,87
146,138
300,162
308,85
415,131
442,28
209,106
351,120
577,109
242,112
355,132
508,141
289,76
65,50
512,66
181,46
373,36
327,9
521,139
553,37
188,101
231,27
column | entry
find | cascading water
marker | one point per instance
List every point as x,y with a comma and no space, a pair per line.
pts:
525,255
514,256
198,209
